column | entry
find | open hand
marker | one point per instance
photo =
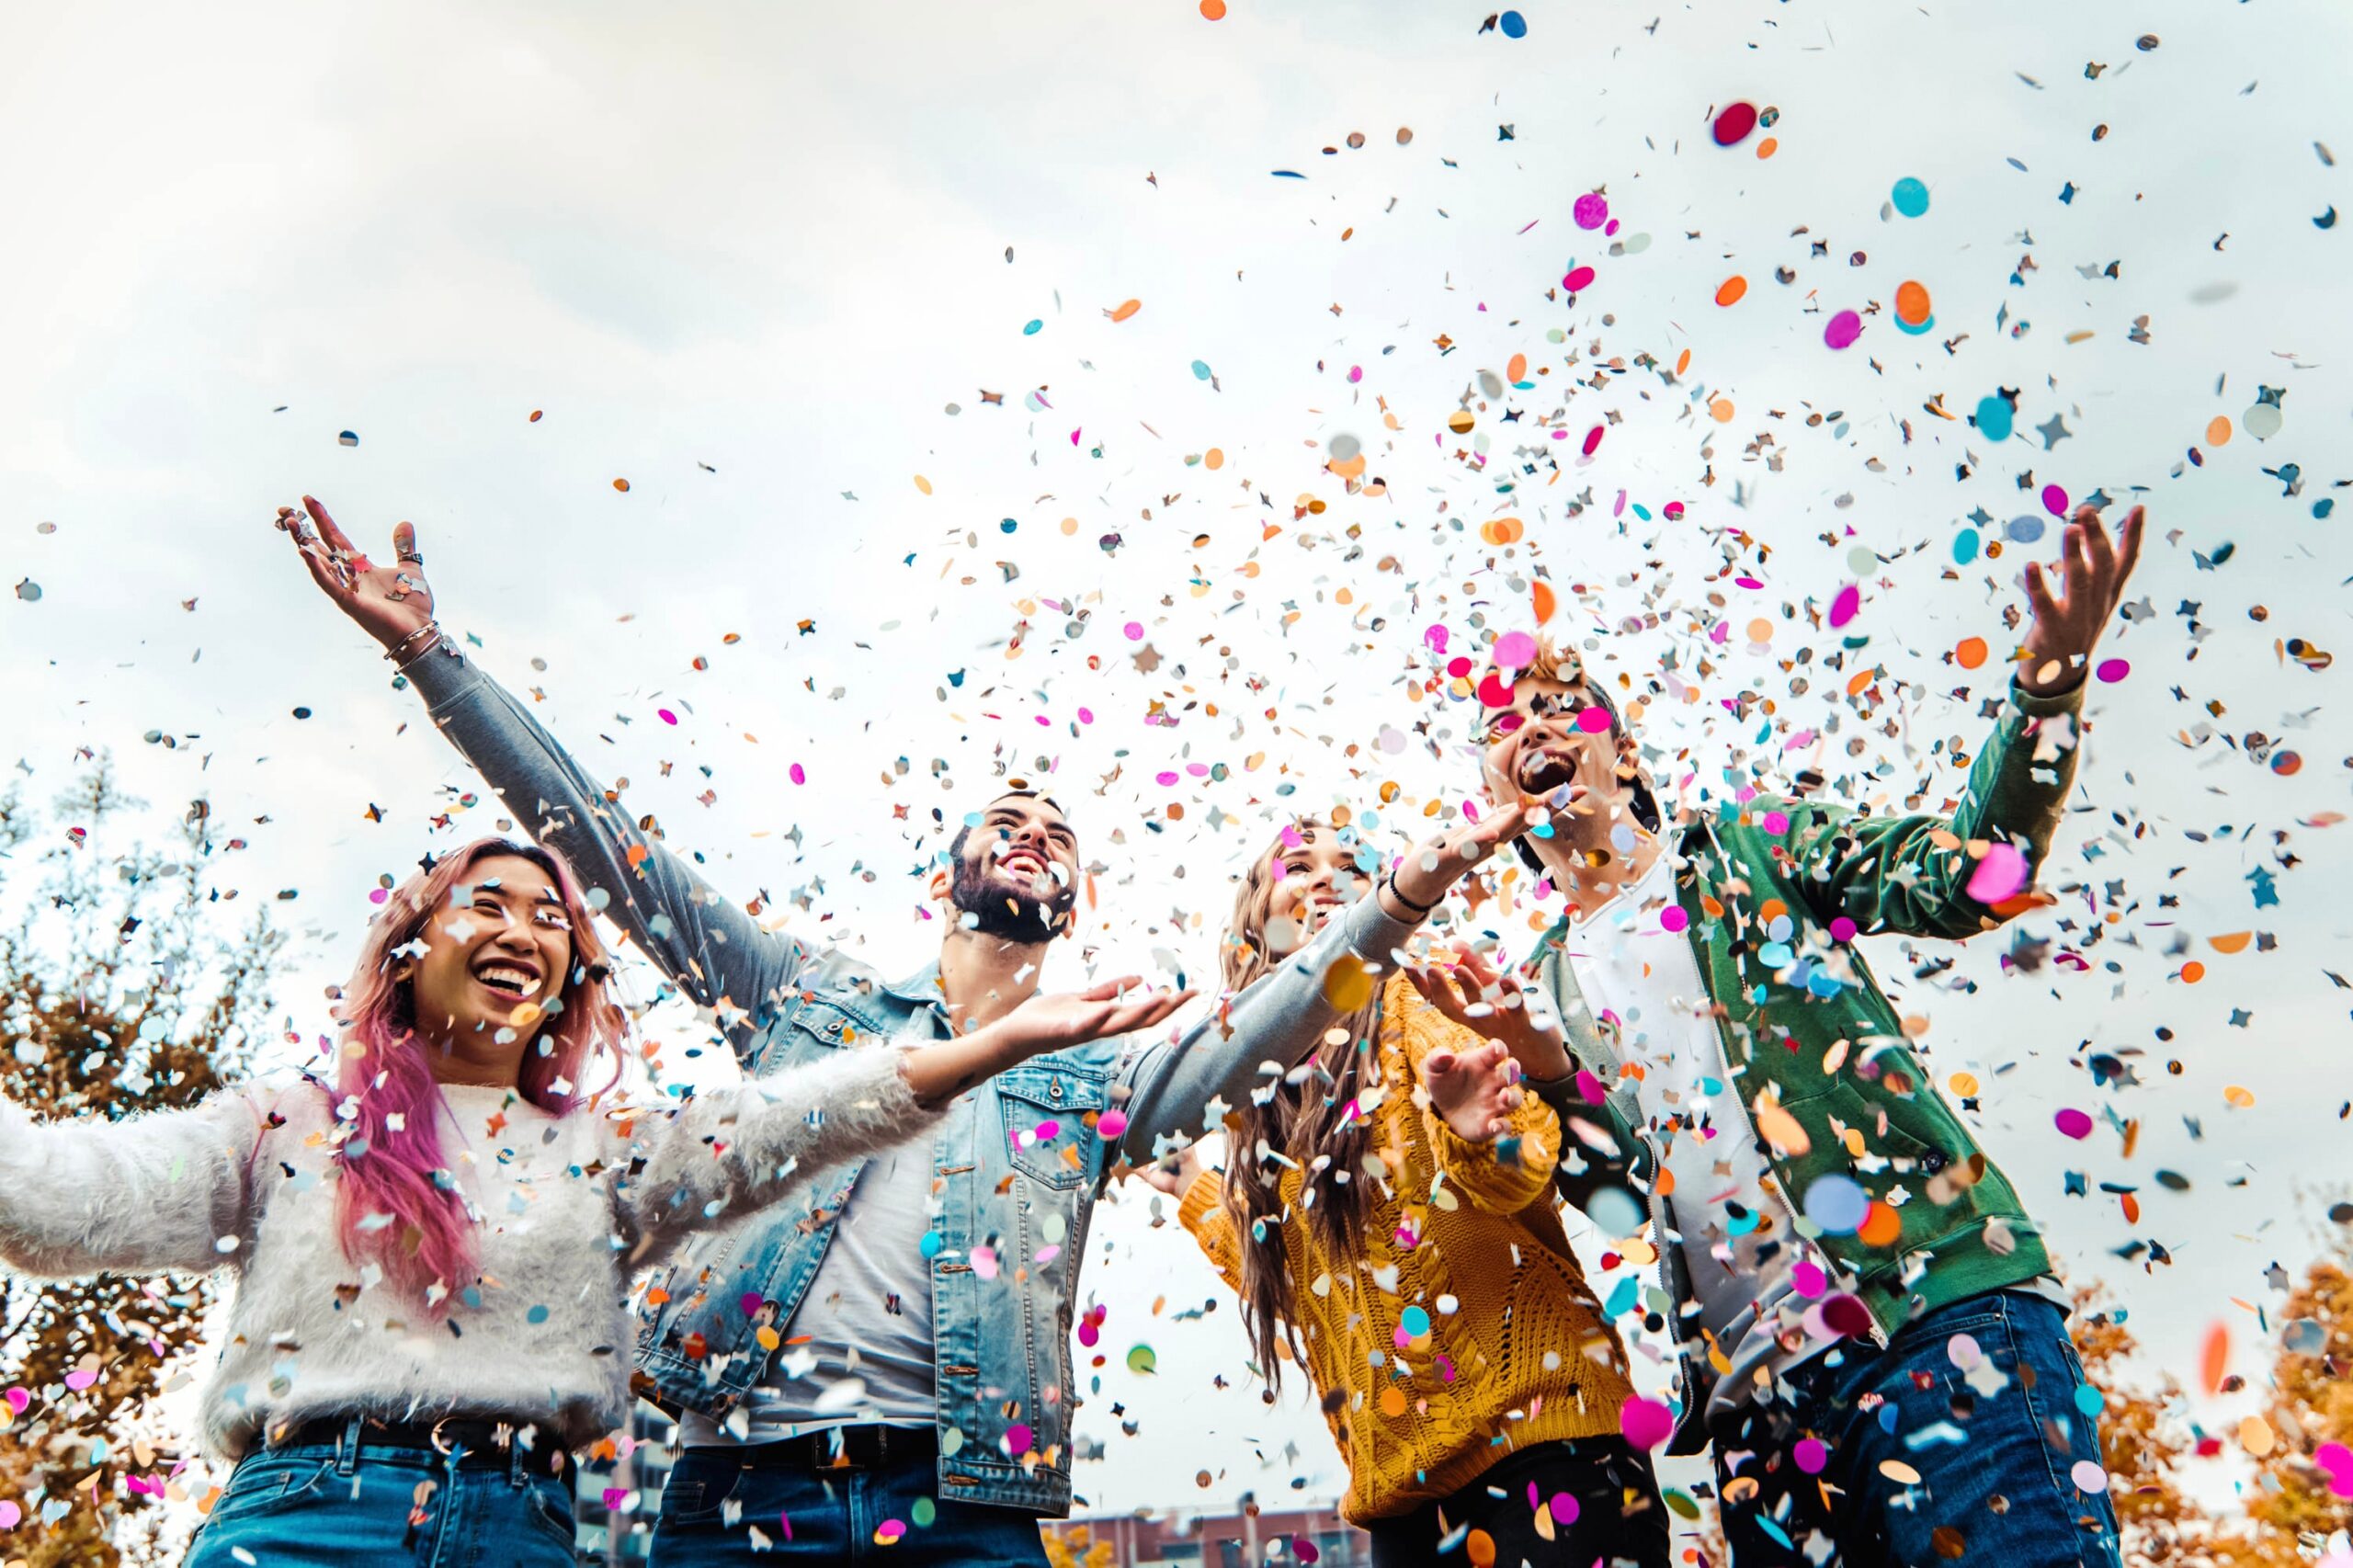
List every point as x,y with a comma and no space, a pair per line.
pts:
1474,1091
389,603
1061,1019
2058,646
1432,867
1473,992
1177,1180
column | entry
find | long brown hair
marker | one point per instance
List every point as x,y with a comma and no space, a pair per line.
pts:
1310,1121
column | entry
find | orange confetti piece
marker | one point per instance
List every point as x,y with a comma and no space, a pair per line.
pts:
1683,361
2235,942
923,484
1721,410
1214,10
2218,430
1213,459
535,417
621,485
2214,1359
1547,601
1125,310
2192,972
1911,303
1971,653
1881,1226
1730,290
1781,1130
1516,370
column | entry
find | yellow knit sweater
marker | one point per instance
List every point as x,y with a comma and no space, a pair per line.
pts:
1460,1327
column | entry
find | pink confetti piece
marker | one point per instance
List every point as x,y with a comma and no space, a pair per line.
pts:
2001,874
1645,1422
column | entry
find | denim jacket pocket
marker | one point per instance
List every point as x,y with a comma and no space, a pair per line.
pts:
1042,1114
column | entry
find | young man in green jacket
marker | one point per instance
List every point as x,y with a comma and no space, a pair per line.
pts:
1873,1339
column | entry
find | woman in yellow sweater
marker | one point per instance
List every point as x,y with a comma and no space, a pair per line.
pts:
1387,1218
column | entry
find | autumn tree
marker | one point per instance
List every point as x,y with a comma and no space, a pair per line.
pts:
126,984
2302,1443
1074,1546
2143,1441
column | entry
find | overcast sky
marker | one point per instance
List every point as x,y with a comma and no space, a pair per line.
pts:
773,266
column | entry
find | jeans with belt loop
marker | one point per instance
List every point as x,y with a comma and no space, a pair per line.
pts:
766,1507
352,1504
1972,1438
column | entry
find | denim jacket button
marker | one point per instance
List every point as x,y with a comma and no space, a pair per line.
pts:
1054,1090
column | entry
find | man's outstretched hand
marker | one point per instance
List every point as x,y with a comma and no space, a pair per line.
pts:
390,602
2057,651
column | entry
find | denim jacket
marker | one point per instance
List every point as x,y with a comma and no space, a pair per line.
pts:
1022,1157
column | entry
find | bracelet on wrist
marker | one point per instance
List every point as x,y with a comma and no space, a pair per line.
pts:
1417,907
399,651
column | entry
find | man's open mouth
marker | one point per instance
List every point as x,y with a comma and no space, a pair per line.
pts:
1545,769
1025,863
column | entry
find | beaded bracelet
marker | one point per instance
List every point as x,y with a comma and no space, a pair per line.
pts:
1399,894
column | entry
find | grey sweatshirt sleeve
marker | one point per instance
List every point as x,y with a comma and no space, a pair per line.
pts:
724,1153
709,947
168,1190
1276,1018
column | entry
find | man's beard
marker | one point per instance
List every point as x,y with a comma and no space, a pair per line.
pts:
1002,913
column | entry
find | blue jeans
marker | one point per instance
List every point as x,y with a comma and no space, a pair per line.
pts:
713,1501
1994,1458
385,1506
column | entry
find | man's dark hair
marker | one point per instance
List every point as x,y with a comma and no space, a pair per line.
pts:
956,844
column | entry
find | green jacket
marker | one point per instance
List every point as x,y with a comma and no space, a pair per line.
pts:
1805,1026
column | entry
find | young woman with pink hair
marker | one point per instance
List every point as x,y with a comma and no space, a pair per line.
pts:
434,1239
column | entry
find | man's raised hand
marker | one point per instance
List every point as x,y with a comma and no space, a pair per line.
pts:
2057,650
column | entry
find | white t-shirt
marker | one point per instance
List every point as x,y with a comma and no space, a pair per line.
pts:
871,1294
1738,1245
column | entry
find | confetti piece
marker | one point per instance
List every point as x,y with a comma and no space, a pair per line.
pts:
2001,873
1732,127
1645,1423
1910,197
1730,291
1842,329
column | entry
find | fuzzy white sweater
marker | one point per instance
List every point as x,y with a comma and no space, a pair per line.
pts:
570,1210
